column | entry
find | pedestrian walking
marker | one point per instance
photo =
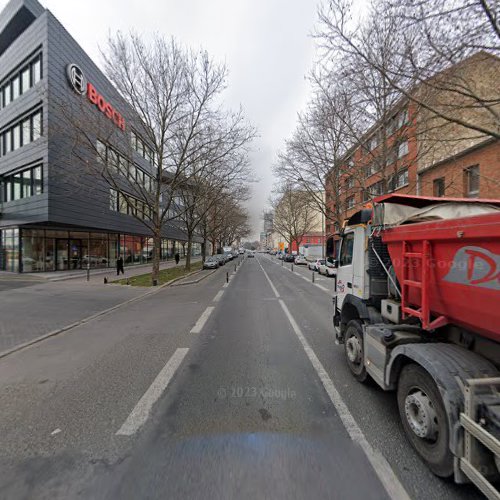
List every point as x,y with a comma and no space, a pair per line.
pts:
177,258
119,266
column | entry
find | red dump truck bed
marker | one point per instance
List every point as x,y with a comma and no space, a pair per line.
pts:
449,270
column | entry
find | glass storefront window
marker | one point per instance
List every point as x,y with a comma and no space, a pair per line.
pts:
49,254
98,253
128,249
32,253
9,250
164,249
137,246
113,249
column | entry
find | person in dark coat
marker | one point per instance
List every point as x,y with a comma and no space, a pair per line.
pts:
177,258
119,266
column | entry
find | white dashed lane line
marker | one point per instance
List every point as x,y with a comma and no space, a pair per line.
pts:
142,409
202,320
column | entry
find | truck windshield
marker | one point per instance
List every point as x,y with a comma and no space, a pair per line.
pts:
347,250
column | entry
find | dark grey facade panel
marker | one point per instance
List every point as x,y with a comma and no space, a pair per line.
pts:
71,196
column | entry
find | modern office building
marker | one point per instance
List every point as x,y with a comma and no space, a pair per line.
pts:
54,214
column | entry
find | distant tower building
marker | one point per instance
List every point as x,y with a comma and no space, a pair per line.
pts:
268,229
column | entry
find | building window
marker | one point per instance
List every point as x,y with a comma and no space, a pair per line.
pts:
119,164
350,202
128,204
349,182
472,181
24,184
403,118
21,133
140,146
21,81
400,179
403,149
377,189
438,187
373,142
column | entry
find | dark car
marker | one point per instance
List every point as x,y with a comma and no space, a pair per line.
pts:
289,257
211,263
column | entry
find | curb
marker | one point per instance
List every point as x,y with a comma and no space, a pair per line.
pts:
195,281
63,329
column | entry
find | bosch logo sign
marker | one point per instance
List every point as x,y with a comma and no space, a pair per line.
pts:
76,78
81,86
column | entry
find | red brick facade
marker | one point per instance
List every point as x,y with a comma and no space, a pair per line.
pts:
453,177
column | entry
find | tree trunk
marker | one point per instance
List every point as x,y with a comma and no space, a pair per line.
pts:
188,254
155,274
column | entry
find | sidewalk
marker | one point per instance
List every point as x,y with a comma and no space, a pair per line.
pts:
97,275
45,306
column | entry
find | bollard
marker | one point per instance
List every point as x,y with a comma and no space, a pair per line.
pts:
292,267
227,277
313,277
155,282
88,272
105,280
235,268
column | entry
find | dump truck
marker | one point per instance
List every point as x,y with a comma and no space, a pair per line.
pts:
417,309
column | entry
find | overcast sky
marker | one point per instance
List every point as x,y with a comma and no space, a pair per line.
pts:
265,44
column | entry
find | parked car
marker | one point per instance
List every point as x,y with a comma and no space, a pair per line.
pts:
251,254
220,258
211,263
300,260
328,268
314,265
228,256
289,257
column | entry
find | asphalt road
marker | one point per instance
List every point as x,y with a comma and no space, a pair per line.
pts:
208,390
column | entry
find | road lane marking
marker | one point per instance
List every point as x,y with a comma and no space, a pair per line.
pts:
142,409
389,480
322,288
218,296
202,320
225,285
269,280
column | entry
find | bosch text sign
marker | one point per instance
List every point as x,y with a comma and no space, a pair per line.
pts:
81,86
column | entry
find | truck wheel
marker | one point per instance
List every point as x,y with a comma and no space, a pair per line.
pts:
353,346
424,418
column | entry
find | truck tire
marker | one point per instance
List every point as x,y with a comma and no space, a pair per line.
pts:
424,418
353,348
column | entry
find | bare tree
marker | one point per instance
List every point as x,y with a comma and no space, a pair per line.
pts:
293,215
173,97
432,40
223,168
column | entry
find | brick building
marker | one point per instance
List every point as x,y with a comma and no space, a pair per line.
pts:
415,152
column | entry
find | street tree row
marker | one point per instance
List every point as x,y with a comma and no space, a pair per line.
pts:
197,150
374,66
